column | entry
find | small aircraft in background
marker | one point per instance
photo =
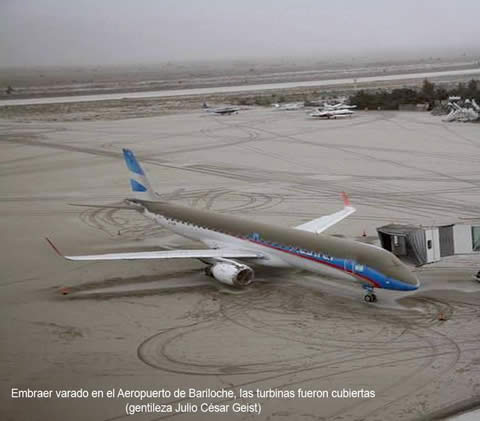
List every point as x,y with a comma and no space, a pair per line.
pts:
339,106
334,114
292,106
470,111
221,110
235,243
338,110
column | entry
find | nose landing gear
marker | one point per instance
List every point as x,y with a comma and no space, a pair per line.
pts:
369,296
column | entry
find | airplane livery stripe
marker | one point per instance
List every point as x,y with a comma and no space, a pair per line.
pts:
338,267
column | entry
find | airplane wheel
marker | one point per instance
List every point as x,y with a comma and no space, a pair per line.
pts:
208,272
368,298
374,298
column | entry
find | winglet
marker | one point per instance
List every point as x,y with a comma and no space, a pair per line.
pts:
54,247
346,200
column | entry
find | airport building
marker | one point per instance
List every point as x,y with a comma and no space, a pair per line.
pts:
427,244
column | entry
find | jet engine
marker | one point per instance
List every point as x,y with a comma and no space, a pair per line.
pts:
231,273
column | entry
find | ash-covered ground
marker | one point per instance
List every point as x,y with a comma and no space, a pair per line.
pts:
151,325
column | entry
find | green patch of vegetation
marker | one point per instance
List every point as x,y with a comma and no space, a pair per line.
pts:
429,93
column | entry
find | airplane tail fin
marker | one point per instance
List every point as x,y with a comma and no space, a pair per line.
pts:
141,187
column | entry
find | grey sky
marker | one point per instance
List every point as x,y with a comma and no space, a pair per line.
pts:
63,32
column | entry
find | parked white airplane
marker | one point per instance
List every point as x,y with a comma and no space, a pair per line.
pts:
221,110
292,106
332,114
339,106
469,112
233,242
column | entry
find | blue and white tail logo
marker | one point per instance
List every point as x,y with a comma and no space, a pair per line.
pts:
138,180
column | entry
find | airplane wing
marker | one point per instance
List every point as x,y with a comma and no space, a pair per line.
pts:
169,254
321,224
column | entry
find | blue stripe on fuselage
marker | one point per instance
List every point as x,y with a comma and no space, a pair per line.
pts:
367,273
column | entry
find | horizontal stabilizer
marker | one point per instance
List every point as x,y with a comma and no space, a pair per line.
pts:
321,224
169,254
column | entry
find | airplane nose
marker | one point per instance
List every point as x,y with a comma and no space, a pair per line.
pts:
411,279
399,275
408,278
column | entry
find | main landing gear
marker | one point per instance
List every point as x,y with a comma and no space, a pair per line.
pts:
369,297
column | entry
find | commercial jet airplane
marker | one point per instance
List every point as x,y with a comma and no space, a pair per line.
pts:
235,243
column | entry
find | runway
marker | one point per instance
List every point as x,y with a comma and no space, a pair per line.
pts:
164,324
237,89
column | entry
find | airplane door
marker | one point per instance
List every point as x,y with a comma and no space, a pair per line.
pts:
349,265
353,267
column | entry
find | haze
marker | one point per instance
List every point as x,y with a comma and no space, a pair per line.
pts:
92,32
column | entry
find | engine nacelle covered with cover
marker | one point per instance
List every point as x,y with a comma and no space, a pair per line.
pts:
234,274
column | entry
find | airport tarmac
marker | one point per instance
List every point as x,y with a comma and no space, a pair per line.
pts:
153,325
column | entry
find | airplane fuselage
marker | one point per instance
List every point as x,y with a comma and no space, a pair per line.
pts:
285,247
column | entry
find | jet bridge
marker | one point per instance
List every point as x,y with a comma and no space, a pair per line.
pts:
408,242
427,244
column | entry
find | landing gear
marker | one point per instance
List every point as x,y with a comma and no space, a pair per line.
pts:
369,297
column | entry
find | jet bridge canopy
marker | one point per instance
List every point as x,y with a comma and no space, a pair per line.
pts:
408,242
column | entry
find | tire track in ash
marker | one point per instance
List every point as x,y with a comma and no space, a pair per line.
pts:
198,169
262,382
402,385
245,304
133,225
423,352
225,173
413,204
443,176
288,331
448,127
249,201
155,353
407,385
234,141
253,202
114,223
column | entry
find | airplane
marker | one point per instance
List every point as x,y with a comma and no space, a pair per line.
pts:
326,106
291,106
234,244
469,112
332,114
339,106
221,110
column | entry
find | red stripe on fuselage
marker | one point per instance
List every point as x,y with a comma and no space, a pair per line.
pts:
319,261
